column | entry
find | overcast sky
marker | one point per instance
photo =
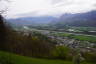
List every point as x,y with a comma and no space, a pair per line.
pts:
49,7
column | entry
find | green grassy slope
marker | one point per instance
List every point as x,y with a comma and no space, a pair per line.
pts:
16,59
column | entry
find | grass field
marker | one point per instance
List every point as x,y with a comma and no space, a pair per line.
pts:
78,37
84,28
85,38
6,58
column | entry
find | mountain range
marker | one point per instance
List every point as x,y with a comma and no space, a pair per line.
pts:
87,19
32,20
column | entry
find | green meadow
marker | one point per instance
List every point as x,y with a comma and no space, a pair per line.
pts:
78,37
9,58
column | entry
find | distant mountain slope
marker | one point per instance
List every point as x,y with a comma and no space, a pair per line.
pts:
87,19
32,20
79,19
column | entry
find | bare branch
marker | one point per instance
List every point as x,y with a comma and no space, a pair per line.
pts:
2,11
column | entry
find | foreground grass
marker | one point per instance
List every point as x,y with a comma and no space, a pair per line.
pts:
9,58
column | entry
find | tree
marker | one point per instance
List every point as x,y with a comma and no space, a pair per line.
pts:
2,28
2,33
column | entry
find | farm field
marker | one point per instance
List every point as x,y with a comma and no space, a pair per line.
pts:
89,38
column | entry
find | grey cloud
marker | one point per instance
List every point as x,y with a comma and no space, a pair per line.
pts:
59,3
56,1
94,5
